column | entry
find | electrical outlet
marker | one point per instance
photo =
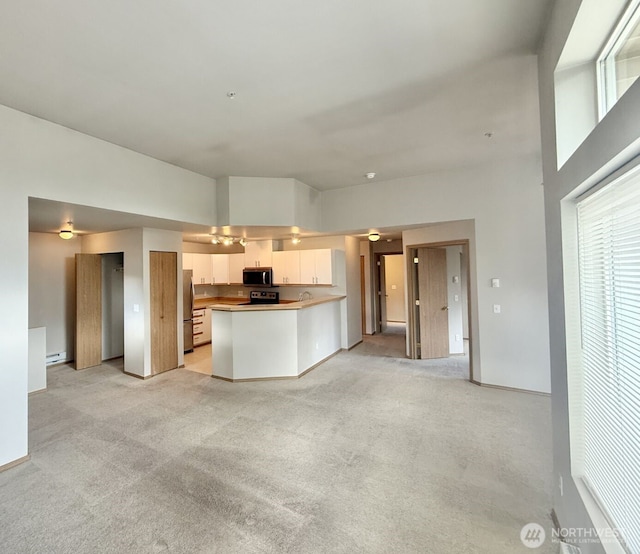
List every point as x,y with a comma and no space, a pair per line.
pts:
240,293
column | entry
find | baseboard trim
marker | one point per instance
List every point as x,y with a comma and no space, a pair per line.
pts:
142,377
283,378
354,345
15,463
511,389
38,391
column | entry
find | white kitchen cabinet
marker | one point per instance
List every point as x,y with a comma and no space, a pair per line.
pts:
220,269
324,266
236,265
201,326
187,261
286,267
316,267
202,270
258,253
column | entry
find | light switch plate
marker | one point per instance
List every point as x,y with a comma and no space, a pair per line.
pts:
495,283
496,308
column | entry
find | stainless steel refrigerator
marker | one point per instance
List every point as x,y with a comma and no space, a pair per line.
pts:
188,294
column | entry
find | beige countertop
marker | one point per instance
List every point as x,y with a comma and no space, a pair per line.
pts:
232,304
211,300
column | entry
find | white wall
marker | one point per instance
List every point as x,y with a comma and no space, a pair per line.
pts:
506,203
612,143
44,160
394,283
347,273
457,231
52,289
454,299
129,242
37,359
268,201
136,245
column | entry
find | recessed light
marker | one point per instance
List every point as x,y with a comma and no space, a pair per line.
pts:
370,175
231,94
488,134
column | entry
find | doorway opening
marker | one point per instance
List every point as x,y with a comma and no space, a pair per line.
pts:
439,303
389,337
99,333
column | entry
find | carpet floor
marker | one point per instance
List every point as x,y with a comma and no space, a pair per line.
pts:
366,453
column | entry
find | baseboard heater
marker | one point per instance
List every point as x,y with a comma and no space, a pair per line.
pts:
56,358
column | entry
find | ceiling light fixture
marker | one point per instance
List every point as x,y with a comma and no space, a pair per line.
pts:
488,134
67,234
242,242
227,241
374,237
215,240
370,175
231,95
295,239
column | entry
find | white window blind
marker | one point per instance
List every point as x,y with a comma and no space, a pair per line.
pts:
609,268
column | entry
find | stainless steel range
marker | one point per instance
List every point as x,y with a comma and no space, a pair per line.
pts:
264,297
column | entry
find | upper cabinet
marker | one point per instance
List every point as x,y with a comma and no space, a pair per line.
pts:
220,269
187,261
316,267
202,270
258,254
236,265
286,267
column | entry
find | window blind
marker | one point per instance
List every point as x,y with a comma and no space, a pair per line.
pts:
609,272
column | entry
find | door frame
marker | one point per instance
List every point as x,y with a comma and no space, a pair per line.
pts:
376,261
412,325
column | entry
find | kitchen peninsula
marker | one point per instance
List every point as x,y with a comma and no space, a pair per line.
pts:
274,341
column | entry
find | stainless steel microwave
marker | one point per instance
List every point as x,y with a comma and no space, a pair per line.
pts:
257,276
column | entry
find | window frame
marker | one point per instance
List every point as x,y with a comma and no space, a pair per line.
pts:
606,63
573,335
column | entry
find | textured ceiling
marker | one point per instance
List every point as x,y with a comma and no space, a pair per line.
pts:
325,90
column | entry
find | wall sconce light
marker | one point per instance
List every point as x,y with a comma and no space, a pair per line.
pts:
67,234
374,237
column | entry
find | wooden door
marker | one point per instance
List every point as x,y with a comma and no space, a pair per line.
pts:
163,268
434,316
363,307
382,294
88,339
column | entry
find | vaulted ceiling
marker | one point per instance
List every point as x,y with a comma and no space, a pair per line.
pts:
325,91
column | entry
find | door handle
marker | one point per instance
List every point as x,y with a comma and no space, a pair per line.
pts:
445,308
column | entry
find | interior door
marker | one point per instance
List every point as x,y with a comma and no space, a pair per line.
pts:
382,294
163,268
434,317
88,339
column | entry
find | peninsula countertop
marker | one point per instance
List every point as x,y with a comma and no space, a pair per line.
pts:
242,305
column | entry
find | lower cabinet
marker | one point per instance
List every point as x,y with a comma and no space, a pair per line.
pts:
201,326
